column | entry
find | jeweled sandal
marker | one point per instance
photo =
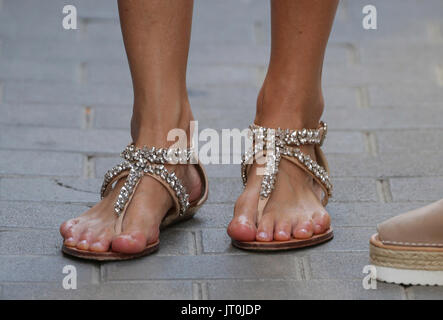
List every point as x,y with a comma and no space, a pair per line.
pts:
273,145
138,163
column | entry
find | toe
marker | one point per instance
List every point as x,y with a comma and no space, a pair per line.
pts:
102,241
282,230
100,245
321,221
66,228
265,230
71,235
129,242
242,227
84,240
304,230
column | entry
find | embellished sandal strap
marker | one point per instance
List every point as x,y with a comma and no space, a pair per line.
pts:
273,144
139,162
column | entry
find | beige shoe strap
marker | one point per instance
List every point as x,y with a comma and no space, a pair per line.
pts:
173,215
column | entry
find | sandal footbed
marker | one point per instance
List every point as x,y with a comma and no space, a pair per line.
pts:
284,245
109,255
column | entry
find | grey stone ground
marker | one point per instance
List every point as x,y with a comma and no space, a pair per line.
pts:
65,106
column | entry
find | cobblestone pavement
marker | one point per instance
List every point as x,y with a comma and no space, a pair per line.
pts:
65,101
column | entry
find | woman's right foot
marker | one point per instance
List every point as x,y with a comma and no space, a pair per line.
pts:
94,229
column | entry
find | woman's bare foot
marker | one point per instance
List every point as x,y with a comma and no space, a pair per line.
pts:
94,229
294,209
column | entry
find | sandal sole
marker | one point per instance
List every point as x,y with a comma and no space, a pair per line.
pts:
406,265
284,245
109,255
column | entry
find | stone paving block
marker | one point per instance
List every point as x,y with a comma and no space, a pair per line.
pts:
198,75
416,189
386,165
24,214
152,290
374,118
348,26
210,216
40,163
293,290
228,54
30,242
400,53
347,190
427,293
379,74
414,9
416,96
14,69
58,139
46,92
73,47
347,239
210,25
27,24
44,269
224,189
400,141
57,189
218,241
389,29
251,54
344,142
338,265
204,267
42,115
176,242
366,214
101,29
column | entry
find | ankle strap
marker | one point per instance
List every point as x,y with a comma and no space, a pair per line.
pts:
290,137
144,155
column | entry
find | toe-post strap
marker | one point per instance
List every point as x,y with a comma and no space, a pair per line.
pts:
274,144
138,162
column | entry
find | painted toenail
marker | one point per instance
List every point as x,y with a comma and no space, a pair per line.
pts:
83,243
263,235
69,241
283,233
304,230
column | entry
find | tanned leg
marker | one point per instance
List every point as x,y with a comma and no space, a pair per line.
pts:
156,34
291,97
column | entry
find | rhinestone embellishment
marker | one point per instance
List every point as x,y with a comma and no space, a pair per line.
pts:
148,161
275,143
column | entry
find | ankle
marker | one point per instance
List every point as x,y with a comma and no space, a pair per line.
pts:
289,106
151,126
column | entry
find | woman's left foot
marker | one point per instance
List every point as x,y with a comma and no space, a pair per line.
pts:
294,209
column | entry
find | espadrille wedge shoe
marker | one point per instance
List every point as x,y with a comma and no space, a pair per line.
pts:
408,249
